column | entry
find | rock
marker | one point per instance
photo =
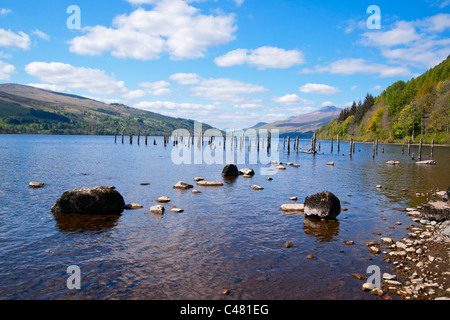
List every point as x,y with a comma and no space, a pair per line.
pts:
247,171
34,184
158,209
163,199
269,178
387,276
387,240
374,250
98,200
289,244
330,164
368,286
226,292
205,183
256,187
310,257
429,162
397,254
132,206
177,210
280,167
435,210
378,186
198,179
376,292
230,170
323,205
295,165
293,198
144,183
392,162
196,191
293,207
349,243
182,185
359,276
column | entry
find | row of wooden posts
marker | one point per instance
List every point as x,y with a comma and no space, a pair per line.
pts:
296,148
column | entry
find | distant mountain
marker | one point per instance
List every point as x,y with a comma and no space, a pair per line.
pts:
303,125
26,109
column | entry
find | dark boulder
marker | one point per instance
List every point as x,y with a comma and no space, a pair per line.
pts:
99,200
322,205
435,210
230,170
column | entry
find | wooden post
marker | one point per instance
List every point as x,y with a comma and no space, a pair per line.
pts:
354,146
289,144
420,150
376,146
284,142
351,147
409,147
115,138
338,144
145,139
331,144
122,136
373,150
131,138
432,147
403,149
139,137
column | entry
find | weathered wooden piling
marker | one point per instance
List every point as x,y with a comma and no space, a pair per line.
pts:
289,144
338,144
420,150
122,136
115,138
432,147
409,147
331,146
131,139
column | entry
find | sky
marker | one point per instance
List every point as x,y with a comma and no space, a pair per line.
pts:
227,63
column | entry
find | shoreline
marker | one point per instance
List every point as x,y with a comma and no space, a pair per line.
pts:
419,261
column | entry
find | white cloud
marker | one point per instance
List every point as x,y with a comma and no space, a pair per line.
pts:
41,34
51,87
262,58
6,70
225,90
4,12
135,94
173,26
291,99
403,33
352,66
436,23
93,80
157,88
185,78
318,88
9,38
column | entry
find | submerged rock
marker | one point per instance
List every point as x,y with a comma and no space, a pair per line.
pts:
230,170
205,183
323,205
36,184
132,206
293,207
182,185
98,200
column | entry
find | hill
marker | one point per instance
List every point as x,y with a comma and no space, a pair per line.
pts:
26,109
303,125
417,109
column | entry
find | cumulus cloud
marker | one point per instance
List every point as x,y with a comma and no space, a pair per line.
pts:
157,88
4,11
185,78
352,66
6,70
9,38
93,80
291,99
41,34
318,88
262,58
172,27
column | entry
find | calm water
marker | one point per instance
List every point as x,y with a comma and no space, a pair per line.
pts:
229,237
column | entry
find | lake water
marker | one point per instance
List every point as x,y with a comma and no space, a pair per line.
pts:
230,237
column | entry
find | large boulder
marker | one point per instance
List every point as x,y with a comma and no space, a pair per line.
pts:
98,200
435,210
322,205
230,170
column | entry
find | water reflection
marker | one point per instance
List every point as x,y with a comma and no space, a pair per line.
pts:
67,222
324,230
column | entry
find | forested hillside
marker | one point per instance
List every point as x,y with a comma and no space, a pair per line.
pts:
417,109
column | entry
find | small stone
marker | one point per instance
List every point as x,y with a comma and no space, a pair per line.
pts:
144,183
256,187
374,250
280,167
371,243
176,210
196,191
205,183
182,185
198,179
293,198
377,292
132,206
349,243
289,244
158,209
36,184
387,276
269,179
310,257
368,286
378,186
387,240
163,199
359,276
330,164
226,292
298,207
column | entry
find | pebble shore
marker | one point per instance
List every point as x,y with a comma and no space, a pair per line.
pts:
420,261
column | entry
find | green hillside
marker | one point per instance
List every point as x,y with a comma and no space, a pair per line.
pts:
417,109
25,109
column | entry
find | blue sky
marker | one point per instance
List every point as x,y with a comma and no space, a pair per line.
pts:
228,63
